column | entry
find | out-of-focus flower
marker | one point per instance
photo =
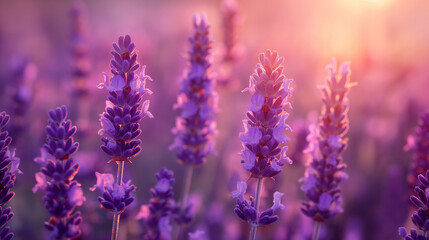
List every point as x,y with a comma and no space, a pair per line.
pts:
8,169
229,22
197,235
56,177
24,72
420,217
197,100
162,208
327,143
419,144
81,66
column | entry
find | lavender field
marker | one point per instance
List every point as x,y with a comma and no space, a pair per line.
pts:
214,119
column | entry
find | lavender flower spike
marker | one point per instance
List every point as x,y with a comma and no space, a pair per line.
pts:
419,144
56,177
420,217
327,142
8,169
157,215
196,126
264,150
120,121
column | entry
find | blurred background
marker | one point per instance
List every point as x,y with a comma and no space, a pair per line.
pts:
54,53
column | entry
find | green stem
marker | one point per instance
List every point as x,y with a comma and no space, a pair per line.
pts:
117,215
187,186
252,235
316,230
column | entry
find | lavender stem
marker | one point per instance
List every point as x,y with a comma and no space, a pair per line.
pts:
316,230
254,226
188,179
117,215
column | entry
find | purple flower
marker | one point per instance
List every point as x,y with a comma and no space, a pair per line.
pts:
8,169
198,235
162,209
229,22
114,197
81,65
326,145
419,144
195,128
246,210
420,217
264,129
56,177
263,139
124,108
161,206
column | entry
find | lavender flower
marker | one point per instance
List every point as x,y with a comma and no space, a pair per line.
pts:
246,209
229,21
56,177
263,140
81,64
8,169
419,144
124,110
162,209
115,197
120,122
157,214
197,100
326,144
24,73
420,217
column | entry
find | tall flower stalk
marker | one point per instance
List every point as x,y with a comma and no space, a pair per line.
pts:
8,169
263,139
195,127
327,142
120,124
56,177
80,60
419,145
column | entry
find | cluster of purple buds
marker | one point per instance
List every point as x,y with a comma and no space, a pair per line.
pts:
162,209
56,177
419,144
246,210
263,140
120,121
326,145
114,197
8,169
420,218
197,100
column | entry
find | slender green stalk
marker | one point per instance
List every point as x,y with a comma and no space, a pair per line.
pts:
316,230
187,184
115,225
186,188
253,229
